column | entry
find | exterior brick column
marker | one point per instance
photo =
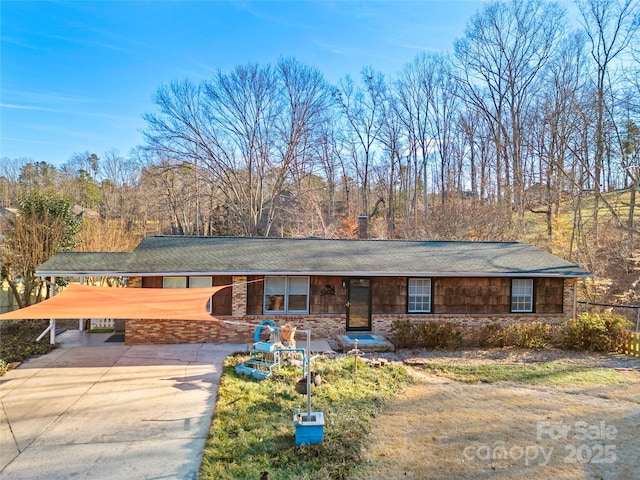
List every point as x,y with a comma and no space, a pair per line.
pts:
239,296
569,297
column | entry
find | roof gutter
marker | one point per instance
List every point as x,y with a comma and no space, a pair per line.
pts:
103,273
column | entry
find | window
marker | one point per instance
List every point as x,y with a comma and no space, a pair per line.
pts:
419,295
192,282
522,295
297,294
200,282
286,294
174,282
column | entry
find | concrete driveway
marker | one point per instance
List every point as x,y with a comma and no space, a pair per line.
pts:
110,412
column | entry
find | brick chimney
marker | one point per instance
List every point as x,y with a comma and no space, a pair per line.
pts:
363,227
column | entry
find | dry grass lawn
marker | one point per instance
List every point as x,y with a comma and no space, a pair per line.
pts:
446,429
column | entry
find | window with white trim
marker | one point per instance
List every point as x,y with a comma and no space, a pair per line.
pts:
419,295
522,295
286,294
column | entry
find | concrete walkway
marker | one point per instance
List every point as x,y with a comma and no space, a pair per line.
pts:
110,412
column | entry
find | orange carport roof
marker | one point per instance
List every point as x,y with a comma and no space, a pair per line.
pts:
83,301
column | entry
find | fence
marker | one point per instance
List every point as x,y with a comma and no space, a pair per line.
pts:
7,302
102,323
633,346
631,312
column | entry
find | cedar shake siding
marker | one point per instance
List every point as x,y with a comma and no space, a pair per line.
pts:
492,295
389,295
327,296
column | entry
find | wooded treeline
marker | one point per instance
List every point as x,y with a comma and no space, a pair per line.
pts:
525,116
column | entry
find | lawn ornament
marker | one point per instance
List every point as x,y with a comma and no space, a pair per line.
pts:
265,355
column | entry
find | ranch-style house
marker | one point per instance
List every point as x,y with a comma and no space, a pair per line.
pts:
334,286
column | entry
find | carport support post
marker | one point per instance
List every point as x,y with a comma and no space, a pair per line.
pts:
81,320
52,322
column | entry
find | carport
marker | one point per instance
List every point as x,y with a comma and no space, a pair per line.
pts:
113,412
83,301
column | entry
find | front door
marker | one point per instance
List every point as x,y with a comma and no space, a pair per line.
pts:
359,304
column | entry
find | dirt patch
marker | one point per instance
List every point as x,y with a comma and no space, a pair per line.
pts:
444,429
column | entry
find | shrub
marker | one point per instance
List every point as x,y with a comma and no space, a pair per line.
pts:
19,340
438,334
492,335
523,335
528,335
596,332
405,334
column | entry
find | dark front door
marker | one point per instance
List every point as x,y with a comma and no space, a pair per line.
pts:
359,304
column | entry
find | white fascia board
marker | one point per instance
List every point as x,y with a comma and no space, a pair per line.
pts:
75,273
350,274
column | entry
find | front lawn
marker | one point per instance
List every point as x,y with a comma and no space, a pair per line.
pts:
509,422
253,430
435,419
536,374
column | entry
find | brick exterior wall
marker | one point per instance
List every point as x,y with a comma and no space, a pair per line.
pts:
239,327
239,296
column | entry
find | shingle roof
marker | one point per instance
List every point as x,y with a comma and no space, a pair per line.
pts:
86,263
165,255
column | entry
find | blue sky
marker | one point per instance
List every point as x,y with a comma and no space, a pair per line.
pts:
77,76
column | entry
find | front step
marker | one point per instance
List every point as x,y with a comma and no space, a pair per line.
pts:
367,342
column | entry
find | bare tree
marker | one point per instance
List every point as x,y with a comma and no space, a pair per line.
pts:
119,189
246,129
500,62
10,171
555,124
610,25
631,142
391,137
476,136
415,88
362,108
172,184
444,110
